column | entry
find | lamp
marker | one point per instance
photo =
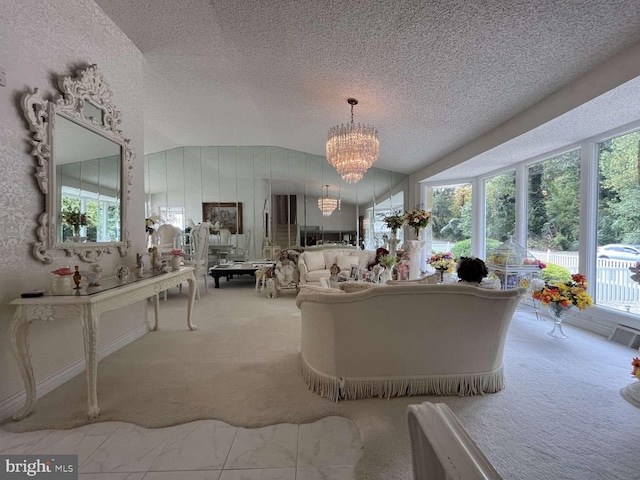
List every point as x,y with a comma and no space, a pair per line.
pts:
328,204
352,148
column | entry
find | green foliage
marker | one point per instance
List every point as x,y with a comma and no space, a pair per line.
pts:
619,194
451,212
501,206
555,273
463,248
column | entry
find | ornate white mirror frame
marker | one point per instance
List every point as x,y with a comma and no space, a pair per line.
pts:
88,87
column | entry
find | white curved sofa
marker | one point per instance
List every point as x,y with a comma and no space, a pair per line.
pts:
314,263
389,341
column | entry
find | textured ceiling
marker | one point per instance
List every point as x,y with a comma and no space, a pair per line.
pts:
430,75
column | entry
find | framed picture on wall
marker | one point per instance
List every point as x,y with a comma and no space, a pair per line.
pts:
227,214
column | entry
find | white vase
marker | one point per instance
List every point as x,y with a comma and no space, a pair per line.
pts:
385,276
175,262
62,285
415,256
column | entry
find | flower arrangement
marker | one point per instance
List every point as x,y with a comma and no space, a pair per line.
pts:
417,219
635,363
442,261
534,262
565,294
394,222
177,253
388,261
75,218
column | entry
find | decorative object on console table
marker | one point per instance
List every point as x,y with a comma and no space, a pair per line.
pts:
77,277
176,259
62,281
559,297
225,214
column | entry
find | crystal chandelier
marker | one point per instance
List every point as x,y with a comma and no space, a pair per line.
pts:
328,204
352,148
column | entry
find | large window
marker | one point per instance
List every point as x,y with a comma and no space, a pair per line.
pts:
500,192
451,218
553,210
102,216
618,223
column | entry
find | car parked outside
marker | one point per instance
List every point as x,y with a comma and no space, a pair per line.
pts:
619,252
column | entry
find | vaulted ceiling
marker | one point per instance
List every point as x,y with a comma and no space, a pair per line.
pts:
431,75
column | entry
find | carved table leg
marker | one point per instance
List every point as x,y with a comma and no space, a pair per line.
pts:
156,309
18,337
90,330
193,285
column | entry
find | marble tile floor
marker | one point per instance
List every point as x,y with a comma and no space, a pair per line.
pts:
203,450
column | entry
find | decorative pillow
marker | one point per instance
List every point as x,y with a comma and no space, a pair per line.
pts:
345,263
330,257
314,260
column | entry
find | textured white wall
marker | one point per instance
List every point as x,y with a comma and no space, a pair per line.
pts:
39,41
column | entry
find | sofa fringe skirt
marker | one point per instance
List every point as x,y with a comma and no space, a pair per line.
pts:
335,389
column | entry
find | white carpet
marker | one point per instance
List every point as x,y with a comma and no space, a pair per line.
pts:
560,416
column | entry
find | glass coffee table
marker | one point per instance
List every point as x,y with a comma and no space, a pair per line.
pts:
229,270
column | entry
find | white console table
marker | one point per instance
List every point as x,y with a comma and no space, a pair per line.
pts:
88,304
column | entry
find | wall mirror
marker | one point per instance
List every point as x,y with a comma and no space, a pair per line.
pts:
277,192
84,168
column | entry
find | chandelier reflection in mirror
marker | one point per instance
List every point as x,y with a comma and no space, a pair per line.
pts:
352,149
328,204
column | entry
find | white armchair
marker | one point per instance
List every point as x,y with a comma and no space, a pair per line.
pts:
168,237
241,252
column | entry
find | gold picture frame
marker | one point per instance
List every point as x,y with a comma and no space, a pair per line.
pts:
227,214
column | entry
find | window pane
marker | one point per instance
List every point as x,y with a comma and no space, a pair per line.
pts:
500,192
553,212
618,220
451,218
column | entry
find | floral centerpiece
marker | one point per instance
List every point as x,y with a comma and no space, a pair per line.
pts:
394,222
443,261
635,363
177,252
388,261
559,297
417,219
76,219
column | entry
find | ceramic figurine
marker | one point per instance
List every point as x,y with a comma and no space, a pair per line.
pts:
97,270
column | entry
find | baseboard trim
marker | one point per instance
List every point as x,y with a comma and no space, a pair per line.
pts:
52,381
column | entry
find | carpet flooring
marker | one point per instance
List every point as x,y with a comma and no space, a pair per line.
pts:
559,417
